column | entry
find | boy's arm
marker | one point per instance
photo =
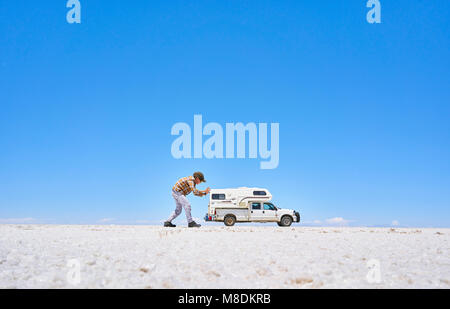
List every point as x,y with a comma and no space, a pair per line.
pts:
196,191
202,193
206,191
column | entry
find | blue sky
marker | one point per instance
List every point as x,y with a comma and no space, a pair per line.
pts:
87,109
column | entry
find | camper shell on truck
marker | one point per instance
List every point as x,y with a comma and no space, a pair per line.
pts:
247,205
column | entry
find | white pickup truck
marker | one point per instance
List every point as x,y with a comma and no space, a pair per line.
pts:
247,205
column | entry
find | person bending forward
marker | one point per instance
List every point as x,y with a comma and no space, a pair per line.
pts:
183,187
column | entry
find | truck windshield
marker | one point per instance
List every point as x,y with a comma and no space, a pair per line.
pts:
269,206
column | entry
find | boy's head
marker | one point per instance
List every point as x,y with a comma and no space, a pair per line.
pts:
198,177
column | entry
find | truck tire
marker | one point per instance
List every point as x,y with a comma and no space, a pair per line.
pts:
286,221
229,220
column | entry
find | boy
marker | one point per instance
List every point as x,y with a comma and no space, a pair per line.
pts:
183,187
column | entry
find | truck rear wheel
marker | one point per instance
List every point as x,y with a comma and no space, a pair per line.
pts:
229,220
286,221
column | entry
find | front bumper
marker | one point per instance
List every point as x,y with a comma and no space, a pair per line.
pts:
297,214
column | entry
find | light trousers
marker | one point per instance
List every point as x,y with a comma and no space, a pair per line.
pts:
181,202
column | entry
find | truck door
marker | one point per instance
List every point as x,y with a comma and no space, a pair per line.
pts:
256,211
270,212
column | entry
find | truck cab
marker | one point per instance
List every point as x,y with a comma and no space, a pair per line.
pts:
247,205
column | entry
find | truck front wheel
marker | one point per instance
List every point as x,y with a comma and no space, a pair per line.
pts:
229,220
285,221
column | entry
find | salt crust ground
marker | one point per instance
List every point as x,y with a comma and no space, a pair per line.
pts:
47,256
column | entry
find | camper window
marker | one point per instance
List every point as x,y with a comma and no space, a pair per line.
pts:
218,196
259,193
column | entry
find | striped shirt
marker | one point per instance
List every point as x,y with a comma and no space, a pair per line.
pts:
186,185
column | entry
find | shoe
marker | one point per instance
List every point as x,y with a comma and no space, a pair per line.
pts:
169,224
193,224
